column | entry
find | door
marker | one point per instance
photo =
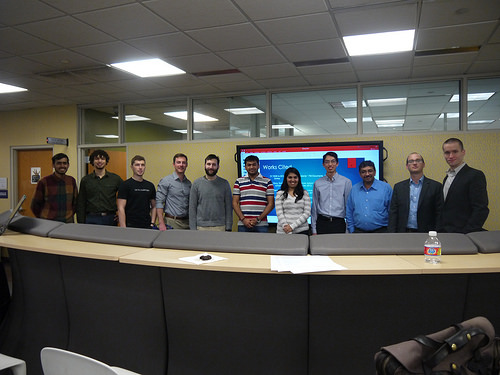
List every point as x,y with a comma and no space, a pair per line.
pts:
29,162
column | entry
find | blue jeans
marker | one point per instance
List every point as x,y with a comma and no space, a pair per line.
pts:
100,220
256,229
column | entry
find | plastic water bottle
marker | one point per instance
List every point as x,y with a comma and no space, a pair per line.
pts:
432,248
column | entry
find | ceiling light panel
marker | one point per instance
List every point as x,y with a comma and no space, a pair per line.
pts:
380,43
148,68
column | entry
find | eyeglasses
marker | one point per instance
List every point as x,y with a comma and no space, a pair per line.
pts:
415,161
332,161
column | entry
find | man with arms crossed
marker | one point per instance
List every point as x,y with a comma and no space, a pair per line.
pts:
210,200
416,202
253,198
465,207
136,198
330,194
367,208
97,198
172,196
55,195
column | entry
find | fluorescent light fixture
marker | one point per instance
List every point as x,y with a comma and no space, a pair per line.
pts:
452,115
148,68
386,102
473,97
106,136
478,122
380,43
244,111
133,118
390,123
6,89
184,131
354,119
352,104
283,126
197,117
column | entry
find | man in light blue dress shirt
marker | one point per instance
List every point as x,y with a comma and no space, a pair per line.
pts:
330,194
172,197
367,209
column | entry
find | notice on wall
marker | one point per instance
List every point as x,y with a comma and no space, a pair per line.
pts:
4,193
35,174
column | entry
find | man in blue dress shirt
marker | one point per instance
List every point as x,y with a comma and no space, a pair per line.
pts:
368,204
330,194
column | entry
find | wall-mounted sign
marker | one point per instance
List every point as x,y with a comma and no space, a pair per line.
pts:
57,141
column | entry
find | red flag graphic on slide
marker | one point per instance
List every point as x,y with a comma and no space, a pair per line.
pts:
351,162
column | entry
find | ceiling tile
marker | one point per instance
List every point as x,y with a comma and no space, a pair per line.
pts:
253,56
62,59
85,6
377,19
393,60
456,12
299,29
128,21
454,36
317,50
168,45
226,38
206,62
271,71
18,43
65,32
438,70
383,74
263,9
197,14
108,53
15,12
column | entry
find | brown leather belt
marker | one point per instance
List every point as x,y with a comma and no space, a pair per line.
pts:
177,217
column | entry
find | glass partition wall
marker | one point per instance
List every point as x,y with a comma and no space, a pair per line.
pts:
439,106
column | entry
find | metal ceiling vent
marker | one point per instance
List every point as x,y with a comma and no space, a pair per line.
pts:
80,75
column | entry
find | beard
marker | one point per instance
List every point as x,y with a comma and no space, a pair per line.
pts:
211,172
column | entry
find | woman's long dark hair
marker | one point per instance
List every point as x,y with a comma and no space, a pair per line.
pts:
299,189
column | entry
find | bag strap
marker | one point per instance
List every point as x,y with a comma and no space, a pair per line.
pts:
455,343
427,341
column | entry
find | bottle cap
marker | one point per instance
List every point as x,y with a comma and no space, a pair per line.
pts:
433,233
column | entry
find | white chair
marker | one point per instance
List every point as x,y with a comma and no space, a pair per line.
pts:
17,366
62,362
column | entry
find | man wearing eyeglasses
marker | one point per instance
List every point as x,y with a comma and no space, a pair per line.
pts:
416,202
465,207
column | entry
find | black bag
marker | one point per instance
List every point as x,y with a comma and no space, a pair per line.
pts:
466,348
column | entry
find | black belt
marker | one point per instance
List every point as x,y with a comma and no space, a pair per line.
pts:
104,213
177,217
329,218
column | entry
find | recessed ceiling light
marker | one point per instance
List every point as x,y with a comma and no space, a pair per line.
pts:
352,104
354,119
184,131
452,115
148,68
477,122
473,97
133,118
390,123
5,89
244,111
197,117
106,136
386,102
379,43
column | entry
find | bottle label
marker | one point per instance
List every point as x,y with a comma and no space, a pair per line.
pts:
432,251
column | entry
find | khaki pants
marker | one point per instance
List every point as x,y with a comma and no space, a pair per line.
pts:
176,223
220,228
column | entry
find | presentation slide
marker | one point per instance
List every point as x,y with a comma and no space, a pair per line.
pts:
308,159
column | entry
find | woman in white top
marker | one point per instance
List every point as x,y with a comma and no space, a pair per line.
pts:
293,205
